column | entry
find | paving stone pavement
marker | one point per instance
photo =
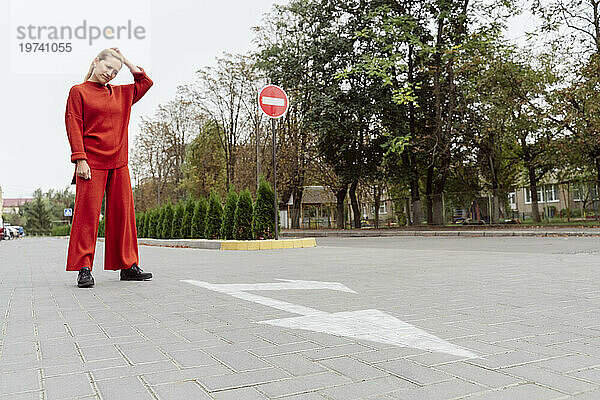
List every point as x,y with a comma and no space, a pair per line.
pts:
529,308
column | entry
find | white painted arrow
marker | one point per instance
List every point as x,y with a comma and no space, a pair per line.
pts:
373,325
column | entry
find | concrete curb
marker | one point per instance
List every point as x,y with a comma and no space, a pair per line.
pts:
453,233
231,244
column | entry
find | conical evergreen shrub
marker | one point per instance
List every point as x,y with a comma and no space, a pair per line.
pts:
161,218
139,224
153,223
228,215
263,224
177,221
242,220
199,218
214,217
147,216
186,225
167,226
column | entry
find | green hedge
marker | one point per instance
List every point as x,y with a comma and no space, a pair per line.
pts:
202,218
214,217
242,225
228,215
263,225
61,230
199,218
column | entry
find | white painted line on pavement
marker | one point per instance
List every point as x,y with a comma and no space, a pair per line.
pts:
373,325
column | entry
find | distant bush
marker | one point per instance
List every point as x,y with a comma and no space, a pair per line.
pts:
61,230
188,216
214,217
101,228
151,230
199,218
176,231
263,224
242,221
167,223
147,216
139,224
228,215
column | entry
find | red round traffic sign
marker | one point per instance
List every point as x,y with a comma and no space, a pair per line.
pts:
273,101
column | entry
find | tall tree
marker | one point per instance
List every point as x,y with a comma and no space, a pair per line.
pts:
222,93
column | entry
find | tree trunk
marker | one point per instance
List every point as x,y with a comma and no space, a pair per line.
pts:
377,198
438,209
429,194
410,157
438,191
535,213
494,174
434,200
354,202
340,196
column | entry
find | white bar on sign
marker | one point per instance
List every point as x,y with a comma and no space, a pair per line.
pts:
273,101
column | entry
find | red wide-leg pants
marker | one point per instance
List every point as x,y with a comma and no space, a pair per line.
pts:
120,243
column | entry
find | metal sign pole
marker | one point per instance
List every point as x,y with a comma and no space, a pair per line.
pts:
275,178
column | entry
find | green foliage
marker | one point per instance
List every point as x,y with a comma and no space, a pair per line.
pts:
15,218
139,224
188,217
61,230
147,217
263,220
154,215
204,166
214,217
199,218
177,230
101,228
159,222
229,214
242,225
38,214
167,223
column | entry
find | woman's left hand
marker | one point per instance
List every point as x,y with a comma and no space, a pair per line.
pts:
116,49
126,62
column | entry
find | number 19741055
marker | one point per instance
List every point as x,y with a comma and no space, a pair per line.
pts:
33,47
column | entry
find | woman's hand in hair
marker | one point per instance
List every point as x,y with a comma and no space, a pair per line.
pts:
132,67
83,169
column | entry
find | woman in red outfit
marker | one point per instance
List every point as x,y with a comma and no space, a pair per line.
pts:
97,118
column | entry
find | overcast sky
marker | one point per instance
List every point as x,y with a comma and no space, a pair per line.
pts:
181,37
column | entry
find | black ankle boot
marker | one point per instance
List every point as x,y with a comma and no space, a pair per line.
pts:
85,278
135,273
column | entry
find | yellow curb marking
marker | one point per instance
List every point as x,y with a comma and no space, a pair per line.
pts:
268,244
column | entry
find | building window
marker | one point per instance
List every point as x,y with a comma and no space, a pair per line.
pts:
546,194
383,207
528,195
512,198
585,192
551,193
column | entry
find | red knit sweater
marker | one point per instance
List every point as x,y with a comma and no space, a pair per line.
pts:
97,118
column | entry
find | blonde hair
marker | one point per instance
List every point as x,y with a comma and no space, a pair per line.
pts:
102,56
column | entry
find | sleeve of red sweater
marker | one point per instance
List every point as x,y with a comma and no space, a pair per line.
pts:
141,84
74,124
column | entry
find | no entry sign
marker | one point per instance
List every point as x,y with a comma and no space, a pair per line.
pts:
273,101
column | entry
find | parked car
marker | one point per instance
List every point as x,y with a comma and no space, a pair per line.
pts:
12,231
8,233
